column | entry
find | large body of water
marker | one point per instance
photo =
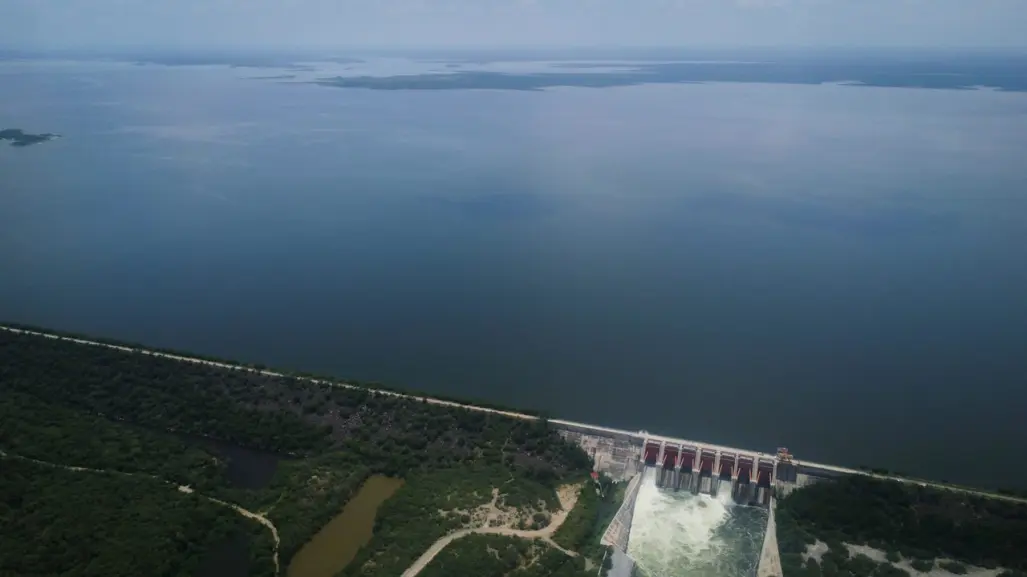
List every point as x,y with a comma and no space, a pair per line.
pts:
837,269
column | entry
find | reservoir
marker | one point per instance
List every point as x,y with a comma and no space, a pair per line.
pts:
834,269
337,543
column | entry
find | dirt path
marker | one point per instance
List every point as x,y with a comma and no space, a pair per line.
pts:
182,488
568,495
256,517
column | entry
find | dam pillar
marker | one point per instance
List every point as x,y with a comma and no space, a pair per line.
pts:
696,471
668,466
746,474
734,477
686,459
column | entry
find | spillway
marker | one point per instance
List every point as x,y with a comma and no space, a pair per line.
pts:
678,534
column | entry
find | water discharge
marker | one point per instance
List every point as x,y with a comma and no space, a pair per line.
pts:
677,534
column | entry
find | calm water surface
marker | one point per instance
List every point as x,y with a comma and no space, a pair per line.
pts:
337,543
835,269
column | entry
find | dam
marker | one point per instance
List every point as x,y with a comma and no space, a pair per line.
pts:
691,508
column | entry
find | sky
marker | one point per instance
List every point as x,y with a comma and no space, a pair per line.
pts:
296,23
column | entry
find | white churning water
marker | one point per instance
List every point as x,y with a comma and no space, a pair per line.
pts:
678,534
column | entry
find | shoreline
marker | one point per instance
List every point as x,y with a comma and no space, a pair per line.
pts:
639,436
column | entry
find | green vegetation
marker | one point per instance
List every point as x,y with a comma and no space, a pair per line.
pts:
923,565
144,415
837,562
38,430
953,567
434,503
21,138
303,496
497,556
371,385
58,522
584,527
920,523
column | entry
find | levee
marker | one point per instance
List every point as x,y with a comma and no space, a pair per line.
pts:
619,531
770,555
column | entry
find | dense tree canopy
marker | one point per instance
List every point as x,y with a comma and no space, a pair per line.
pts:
58,522
920,523
89,406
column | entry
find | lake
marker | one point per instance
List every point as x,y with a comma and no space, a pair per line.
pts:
337,543
836,269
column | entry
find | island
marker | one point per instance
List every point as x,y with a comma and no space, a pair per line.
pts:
928,71
18,137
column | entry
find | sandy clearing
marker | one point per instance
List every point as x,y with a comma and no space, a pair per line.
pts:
568,496
818,549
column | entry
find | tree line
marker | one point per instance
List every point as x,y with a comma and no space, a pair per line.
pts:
906,520
97,407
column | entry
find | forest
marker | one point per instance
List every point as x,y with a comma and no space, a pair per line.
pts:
89,406
58,522
597,504
908,521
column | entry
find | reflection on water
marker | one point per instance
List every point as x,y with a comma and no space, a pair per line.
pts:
674,534
244,467
247,468
337,543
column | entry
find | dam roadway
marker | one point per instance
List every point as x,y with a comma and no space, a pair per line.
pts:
639,438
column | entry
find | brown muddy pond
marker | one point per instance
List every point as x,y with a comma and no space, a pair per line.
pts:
337,543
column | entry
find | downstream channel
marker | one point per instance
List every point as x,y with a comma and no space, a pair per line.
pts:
676,533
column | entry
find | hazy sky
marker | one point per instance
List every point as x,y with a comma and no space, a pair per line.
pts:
520,22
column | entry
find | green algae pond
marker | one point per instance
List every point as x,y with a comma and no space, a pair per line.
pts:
335,545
